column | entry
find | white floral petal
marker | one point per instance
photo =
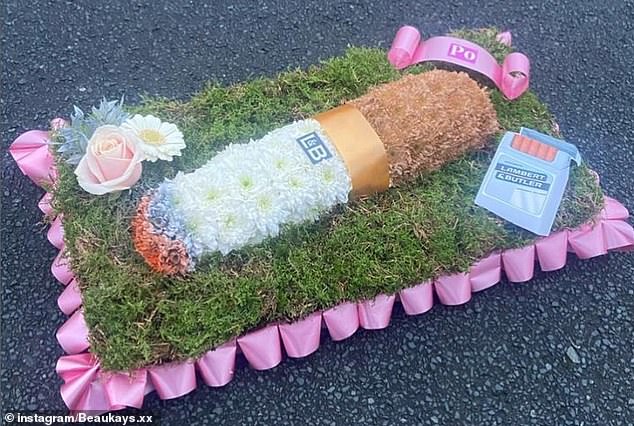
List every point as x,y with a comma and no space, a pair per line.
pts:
244,197
167,144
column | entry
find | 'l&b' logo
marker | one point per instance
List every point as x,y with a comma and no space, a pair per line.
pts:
463,53
314,147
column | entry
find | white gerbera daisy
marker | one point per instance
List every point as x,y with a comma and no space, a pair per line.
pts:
159,140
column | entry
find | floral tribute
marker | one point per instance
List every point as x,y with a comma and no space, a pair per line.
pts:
130,332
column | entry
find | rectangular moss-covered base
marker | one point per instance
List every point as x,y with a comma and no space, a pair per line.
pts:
374,246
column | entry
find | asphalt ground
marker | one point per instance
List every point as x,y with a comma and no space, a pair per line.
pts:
499,360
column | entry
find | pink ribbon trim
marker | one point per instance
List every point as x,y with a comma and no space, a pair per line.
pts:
301,338
30,152
70,299
262,348
342,321
453,289
125,389
618,235
60,268
519,264
486,273
552,251
614,210
418,299
588,241
375,314
55,233
45,204
173,380
512,77
216,367
82,389
73,334
87,388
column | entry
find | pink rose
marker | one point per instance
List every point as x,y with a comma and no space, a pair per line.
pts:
112,161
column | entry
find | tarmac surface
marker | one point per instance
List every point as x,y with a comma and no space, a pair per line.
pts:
498,360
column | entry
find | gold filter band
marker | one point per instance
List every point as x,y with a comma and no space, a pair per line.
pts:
360,148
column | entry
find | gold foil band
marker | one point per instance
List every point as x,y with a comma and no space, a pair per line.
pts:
360,148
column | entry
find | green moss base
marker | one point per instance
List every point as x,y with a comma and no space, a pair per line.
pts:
378,245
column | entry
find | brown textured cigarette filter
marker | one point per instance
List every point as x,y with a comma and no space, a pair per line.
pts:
428,119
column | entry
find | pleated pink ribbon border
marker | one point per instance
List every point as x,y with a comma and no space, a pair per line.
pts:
87,388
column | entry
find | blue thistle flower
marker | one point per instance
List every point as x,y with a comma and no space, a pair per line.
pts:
82,126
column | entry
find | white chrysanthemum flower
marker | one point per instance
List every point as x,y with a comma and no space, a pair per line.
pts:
159,140
248,191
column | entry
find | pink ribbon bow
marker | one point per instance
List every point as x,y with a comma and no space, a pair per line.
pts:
86,388
511,77
82,389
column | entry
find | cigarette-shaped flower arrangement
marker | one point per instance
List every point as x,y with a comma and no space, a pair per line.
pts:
248,192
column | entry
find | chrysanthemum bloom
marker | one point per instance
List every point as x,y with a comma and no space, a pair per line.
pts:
163,254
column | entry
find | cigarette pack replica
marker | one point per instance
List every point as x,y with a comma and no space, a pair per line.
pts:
527,179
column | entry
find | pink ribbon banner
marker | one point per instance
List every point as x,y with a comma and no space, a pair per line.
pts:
511,77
